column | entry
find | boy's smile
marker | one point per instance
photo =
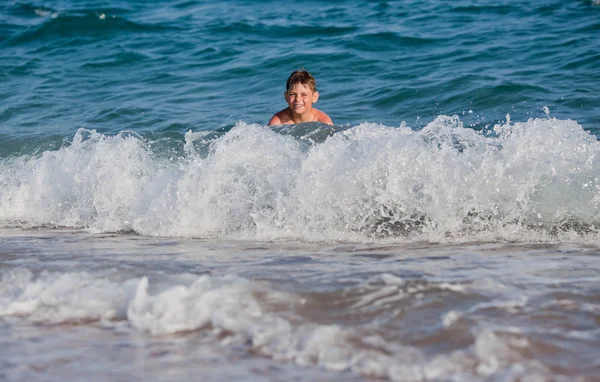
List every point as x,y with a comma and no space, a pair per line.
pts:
300,98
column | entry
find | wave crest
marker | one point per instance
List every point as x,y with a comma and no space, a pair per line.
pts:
534,180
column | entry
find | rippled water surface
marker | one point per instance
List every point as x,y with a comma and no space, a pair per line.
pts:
171,66
445,228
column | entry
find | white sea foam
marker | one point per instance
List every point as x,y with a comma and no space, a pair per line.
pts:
62,298
535,180
207,302
238,312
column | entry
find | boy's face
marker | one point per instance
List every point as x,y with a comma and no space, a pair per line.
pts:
300,98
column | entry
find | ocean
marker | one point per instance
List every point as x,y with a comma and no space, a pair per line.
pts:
445,228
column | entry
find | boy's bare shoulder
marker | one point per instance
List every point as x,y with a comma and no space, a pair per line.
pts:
322,117
282,117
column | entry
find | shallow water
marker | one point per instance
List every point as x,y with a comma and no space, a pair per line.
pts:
153,228
178,308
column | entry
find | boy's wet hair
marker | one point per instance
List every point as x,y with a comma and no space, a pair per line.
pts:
301,77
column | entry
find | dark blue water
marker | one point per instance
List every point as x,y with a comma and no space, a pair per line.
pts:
171,66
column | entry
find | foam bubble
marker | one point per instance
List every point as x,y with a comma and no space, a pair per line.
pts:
208,301
62,298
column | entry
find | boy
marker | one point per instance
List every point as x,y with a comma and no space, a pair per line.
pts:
300,94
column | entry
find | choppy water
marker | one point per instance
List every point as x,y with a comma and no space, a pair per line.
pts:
446,228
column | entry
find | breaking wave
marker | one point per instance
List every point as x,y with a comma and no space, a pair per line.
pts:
535,180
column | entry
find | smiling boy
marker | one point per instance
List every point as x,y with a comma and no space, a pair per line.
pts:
300,94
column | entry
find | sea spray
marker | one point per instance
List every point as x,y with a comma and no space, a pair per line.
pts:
529,180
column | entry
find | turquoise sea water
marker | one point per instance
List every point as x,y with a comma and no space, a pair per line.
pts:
445,228
163,67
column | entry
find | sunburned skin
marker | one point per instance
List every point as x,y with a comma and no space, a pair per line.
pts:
300,100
